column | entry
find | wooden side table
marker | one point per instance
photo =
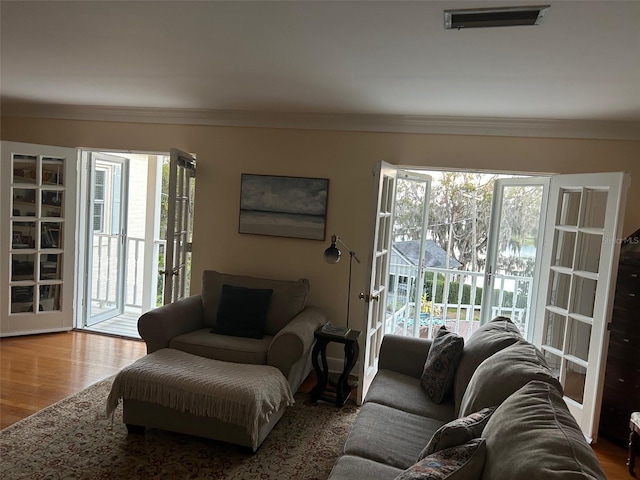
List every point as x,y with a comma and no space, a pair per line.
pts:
634,441
351,350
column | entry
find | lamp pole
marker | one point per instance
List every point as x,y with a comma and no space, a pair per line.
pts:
332,255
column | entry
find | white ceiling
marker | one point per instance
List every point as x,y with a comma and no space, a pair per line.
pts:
328,57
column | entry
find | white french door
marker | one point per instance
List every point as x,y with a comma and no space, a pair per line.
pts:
579,267
514,250
182,170
404,294
108,181
385,181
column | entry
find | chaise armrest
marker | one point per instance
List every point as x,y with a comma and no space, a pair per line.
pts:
290,349
405,355
157,327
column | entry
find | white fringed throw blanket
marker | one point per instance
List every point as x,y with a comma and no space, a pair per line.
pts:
241,394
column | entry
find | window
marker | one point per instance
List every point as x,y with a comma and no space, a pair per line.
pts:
98,198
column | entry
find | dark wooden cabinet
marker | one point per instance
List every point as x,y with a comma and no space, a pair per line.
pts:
621,394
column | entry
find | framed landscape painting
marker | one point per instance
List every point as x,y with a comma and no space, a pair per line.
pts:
283,206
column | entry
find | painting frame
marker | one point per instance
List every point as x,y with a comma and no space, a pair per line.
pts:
283,206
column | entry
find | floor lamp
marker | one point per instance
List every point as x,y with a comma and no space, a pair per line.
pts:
332,255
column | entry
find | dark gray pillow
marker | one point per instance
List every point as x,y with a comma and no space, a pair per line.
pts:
242,311
440,367
490,338
533,435
458,431
503,373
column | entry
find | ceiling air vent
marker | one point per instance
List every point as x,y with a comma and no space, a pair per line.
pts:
494,17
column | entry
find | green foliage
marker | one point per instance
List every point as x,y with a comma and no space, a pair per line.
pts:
454,289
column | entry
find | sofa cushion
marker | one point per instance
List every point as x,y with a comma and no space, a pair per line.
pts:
533,435
458,431
405,393
349,467
386,435
223,347
287,300
242,311
503,373
490,338
462,462
440,366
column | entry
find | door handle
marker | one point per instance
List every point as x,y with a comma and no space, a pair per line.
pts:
368,298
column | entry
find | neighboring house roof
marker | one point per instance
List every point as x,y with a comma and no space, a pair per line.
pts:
434,256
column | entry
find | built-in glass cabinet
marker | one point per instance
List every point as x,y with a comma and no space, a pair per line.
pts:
35,220
37,223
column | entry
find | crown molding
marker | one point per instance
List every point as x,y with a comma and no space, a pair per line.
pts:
491,126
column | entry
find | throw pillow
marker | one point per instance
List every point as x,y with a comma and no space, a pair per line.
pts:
533,435
242,311
503,373
287,301
463,462
490,338
440,367
458,431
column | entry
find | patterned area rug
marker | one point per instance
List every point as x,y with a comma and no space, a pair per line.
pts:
74,439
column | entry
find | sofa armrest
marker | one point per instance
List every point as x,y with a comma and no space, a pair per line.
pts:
405,355
157,327
290,349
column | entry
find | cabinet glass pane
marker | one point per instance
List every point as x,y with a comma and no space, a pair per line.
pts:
52,203
51,266
21,299
24,202
51,235
22,267
50,297
52,171
569,207
24,169
23,235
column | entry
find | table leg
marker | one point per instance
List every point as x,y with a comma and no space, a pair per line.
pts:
322,371
343,389
633,445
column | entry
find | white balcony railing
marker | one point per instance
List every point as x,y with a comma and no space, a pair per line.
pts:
453,298
105,271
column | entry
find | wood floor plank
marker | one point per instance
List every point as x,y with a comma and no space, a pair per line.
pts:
39,370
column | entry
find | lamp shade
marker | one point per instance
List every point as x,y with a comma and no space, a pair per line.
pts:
332,254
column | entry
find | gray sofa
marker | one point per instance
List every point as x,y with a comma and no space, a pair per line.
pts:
530,434
288,330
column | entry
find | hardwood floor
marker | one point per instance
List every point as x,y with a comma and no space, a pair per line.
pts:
39,370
